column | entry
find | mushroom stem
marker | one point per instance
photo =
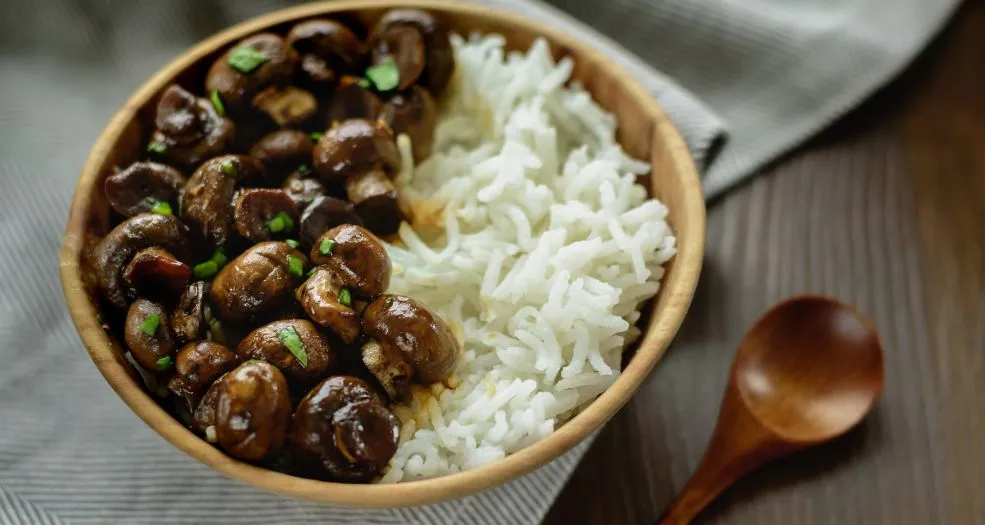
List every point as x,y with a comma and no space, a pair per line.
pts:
393,373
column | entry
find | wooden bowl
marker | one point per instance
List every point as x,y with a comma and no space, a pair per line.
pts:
644,131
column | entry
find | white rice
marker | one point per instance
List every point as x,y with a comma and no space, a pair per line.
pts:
536,245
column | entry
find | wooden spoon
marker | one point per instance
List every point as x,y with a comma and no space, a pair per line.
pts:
808,371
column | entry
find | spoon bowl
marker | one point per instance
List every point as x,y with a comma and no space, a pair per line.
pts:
808,371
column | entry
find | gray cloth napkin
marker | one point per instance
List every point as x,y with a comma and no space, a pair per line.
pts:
71,451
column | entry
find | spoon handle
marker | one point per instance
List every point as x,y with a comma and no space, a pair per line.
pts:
705,484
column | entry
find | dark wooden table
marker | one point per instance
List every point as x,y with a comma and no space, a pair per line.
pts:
887,211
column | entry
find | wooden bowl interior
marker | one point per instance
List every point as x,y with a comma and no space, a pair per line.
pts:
644,131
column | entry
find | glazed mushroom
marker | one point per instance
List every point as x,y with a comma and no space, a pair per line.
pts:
189,129
119,246
263,214
254,64
283,151
302,189
363,157
328,303
252,411
413,113
287,106
405,343
258,281
144,187
294,346
327,49
197,366
147,334
357,257
188,320
154,271
325,213
343,431
352,99
203,417
391,39
207,203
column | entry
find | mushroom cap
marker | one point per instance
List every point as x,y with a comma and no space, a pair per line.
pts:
351,100
327,49
258,281
236,88
319,296
147,348
407,331
141,185
255,207
283,150
207,203
413,113
354,147
325,213
376,200
302,190
265,344
343,427
358,258
440,59
189,127
253,411
287,106
197,365
154,271
116,249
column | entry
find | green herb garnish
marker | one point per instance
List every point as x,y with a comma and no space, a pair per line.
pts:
292,243
229,167
326,247
311,271
157,147
160,208
345,297
304,169
245,59
150,324
281,222
385,75
295,266
363,83
164,363
205,270
217,103
292,341
316,136
219,257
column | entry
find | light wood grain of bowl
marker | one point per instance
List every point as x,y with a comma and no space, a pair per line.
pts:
644,131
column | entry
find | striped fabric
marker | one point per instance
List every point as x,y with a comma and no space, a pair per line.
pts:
71,452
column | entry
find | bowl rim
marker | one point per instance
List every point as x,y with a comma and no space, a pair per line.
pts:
650,350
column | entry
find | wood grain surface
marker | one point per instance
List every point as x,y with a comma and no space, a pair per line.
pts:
887,211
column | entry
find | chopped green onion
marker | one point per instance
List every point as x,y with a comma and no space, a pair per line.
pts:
292,243
311,271
345,297
219,257
295,266
150,325
316,136
304,170
157,147
99,318
385,75
229,167
326,247
292,341
281,222
164,363
363,83
161,208
245,59
205,270
217,103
